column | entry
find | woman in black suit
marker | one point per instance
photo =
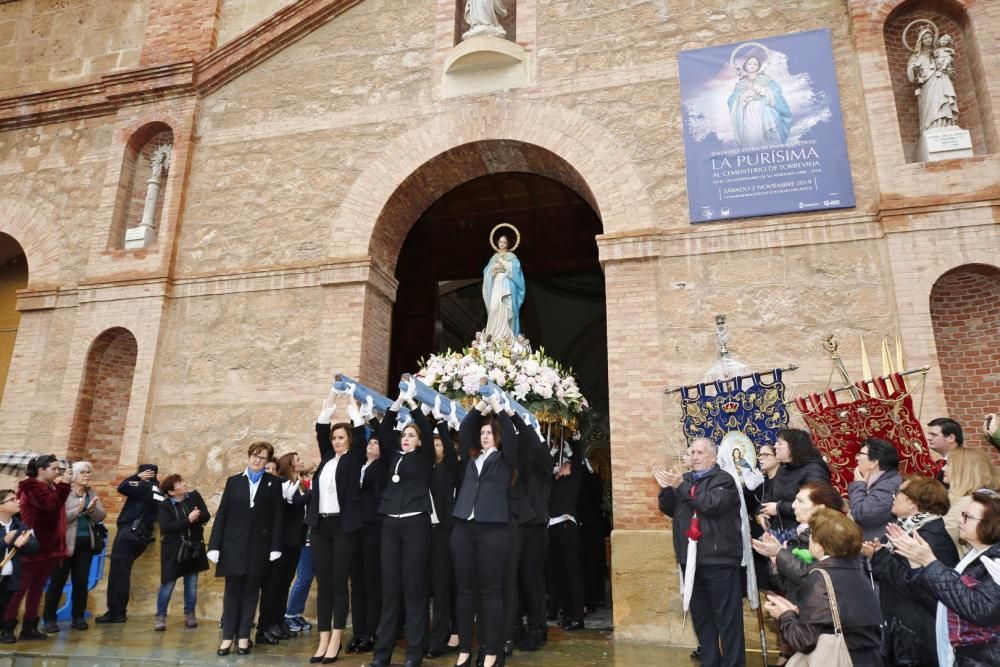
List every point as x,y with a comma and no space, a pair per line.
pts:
247,534
406,535
444,481
271,626
366,572
480,534
334,517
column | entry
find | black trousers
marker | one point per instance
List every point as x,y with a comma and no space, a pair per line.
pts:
479,553
366,581
442,577
406,545
531,573
239,602
124,553
332,552
274,588
510,598
76,566
564,539
717,614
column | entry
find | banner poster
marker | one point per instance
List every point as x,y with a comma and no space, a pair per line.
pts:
741,415
884,410
763,133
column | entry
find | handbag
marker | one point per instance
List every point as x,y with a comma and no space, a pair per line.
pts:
831,649
190,550
100,532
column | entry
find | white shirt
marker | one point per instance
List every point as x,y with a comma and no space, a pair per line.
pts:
329,503
8,568
253,485
556,520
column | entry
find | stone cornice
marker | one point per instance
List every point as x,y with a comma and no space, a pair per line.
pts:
135,86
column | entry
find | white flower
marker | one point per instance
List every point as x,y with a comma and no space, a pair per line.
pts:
520,391
530,367
542,389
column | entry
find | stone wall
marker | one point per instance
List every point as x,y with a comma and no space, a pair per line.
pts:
238,16
45,44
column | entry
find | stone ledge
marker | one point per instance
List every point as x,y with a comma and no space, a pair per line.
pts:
486,64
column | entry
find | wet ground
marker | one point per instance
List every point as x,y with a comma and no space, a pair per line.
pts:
135,644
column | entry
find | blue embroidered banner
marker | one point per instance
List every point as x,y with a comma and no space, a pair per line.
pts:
749,412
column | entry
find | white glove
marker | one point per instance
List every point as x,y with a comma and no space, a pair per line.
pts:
402,421
426,409
483,407
586,463
329,406
505,402
752,478
354,413
213,555
454,422
436,410
275,555
411,391
494,402
368,407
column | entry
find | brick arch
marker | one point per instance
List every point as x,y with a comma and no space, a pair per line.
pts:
496,136
34,228
103,400
965,314
130,196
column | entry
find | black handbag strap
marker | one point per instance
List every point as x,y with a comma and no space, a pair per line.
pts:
180,510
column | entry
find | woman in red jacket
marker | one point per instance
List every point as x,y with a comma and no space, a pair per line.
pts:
42,497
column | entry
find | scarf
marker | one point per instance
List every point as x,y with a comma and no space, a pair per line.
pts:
254,476
911,524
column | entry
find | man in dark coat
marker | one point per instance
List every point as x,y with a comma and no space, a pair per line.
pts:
705,506
135,533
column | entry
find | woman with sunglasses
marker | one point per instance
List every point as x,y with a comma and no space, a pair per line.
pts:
967,618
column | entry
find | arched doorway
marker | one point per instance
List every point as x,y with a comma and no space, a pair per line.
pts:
965,312
13,276
445,212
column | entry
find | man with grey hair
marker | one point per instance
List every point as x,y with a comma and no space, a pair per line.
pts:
704,504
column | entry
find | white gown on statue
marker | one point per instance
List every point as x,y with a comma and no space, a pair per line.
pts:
483,17
499,311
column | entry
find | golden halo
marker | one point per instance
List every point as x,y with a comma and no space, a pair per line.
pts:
517,237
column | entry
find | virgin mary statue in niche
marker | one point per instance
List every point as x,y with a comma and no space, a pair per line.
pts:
483,17
503,290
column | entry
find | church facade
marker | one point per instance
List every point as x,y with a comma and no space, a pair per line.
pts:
203,205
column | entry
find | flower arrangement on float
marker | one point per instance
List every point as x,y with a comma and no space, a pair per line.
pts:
535,380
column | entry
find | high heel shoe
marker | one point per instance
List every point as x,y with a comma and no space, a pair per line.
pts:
467,663
224,651
330,661
240,650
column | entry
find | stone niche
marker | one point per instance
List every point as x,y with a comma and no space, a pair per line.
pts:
486,62
975,133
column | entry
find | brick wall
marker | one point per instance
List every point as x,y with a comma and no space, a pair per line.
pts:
967,64
136,170
965,310
99,423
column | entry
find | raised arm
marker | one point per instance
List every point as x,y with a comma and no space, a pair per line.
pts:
447,444
532,447
323,427
468,432
511,446
426,434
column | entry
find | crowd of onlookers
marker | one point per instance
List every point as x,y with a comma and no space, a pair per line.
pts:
910,564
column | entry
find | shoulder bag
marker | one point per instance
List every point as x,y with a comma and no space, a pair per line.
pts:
831,649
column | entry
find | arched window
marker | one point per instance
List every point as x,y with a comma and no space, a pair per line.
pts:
139,199
102,405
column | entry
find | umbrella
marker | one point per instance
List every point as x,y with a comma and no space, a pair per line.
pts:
15,463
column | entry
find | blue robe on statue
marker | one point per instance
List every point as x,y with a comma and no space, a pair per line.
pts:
510,288
759,112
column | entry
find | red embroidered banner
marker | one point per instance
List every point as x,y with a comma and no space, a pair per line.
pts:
884,410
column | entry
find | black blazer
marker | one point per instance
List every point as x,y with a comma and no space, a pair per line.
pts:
174,523
534,472
295,517
566,490
444,478
13,582
244,536
372,485
412,492
348,478
486,492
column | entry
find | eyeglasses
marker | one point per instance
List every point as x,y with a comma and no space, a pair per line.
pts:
863,453
258,457
968,517
764,455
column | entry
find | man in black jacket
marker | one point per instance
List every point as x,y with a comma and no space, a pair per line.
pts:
135,533
706,501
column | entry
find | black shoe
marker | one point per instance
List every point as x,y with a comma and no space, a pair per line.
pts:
366,645
352,646
330,661
287,630
243,651
467,663
7,636
412,662
696,653
49,626
29,630
279,632
79,624
224,651
532,641
267,638
570,626
508,648
108,618
433,653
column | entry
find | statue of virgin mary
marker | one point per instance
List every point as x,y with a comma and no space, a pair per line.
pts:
483,17
503,293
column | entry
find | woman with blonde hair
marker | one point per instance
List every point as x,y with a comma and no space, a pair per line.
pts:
967,469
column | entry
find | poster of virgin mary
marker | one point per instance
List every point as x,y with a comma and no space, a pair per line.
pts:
763,133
